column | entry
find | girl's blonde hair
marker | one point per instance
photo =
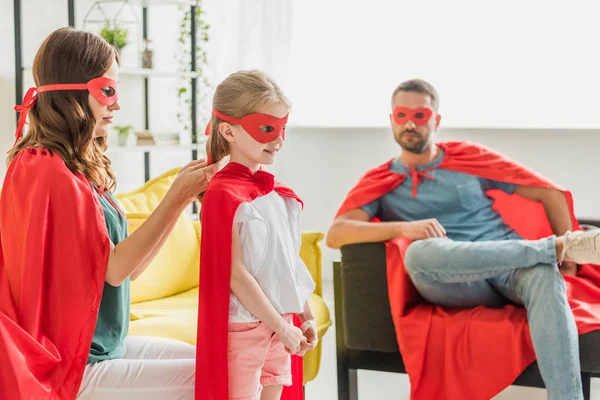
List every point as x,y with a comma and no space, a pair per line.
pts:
240,94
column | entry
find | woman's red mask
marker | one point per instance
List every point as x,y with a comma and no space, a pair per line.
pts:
263,128
103,89
420,116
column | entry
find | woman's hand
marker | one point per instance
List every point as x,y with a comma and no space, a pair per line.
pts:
192,180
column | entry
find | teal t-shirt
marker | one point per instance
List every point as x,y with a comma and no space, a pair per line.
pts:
113,316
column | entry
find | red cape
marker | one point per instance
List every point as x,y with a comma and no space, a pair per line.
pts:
230,187
471,353
54,247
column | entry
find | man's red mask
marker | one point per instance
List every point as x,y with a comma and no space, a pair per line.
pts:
420,116
103,89
263,128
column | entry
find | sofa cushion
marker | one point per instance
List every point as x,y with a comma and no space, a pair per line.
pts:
174,317
321,313
311,254
186,301
178,325
312,359
147,198
175,268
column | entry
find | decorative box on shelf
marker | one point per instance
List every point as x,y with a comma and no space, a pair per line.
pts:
149,138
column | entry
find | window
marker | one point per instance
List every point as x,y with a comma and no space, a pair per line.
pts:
509,64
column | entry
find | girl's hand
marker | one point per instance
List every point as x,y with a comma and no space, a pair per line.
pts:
291,337
309,329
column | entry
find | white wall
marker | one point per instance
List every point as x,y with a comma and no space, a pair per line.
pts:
509,64
322,165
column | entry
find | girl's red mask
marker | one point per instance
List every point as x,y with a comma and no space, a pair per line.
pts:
420,116
263,128
103,89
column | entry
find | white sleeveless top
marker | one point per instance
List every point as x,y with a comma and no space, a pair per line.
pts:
270,237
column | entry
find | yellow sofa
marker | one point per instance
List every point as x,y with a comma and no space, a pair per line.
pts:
165,297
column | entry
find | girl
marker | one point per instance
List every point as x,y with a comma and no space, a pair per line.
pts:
66,257
252,280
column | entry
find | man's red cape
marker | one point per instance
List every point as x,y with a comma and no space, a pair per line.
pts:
230,187
471,353
54,246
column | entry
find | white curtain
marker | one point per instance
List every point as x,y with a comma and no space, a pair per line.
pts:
249,34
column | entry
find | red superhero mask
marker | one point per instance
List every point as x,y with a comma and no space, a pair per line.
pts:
103,89
263,128
420,116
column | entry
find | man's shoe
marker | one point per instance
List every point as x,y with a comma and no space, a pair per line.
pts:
582,247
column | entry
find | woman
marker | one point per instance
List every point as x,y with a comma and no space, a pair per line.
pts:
67,259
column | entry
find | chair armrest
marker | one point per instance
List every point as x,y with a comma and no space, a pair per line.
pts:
587,227
589,224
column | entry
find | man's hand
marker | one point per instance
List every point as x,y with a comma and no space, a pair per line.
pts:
568,268
423,229
309,329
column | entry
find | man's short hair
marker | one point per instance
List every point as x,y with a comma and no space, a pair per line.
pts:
419,86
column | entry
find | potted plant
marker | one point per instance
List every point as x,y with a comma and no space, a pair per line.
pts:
124,132
115,36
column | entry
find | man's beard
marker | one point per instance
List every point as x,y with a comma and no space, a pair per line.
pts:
416,146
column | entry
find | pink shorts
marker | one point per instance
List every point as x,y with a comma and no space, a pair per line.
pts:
256,358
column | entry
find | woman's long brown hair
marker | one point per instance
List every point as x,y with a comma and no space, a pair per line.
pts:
62,121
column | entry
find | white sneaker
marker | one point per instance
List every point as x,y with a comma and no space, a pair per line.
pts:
581,247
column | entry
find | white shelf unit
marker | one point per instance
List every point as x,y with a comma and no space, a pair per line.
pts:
148,3
25,72
145,73
150,72
150,149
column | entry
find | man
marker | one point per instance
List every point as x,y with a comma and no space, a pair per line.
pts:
464,254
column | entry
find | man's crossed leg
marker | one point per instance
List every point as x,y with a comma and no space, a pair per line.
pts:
492,273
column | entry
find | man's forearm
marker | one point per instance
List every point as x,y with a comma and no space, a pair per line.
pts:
345,231
555,204
557,210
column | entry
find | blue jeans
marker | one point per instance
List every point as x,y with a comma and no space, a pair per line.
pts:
492,273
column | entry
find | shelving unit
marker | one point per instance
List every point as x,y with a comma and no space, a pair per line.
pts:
145,149
147,72
143,73
146,3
